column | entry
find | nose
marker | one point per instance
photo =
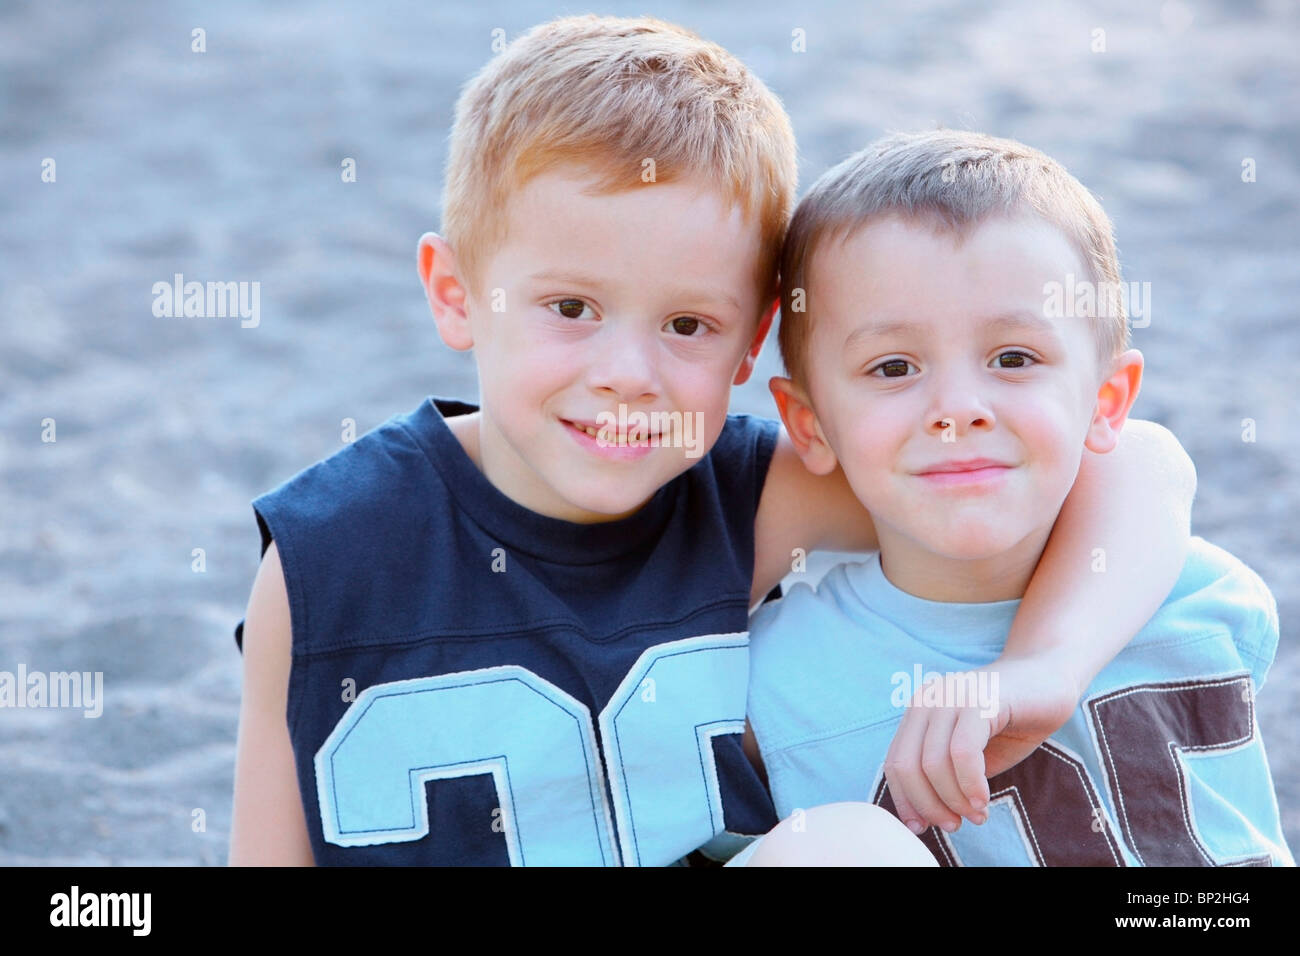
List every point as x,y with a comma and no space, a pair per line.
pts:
957,406
625,366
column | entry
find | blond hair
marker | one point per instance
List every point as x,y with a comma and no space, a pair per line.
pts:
955,180
607,94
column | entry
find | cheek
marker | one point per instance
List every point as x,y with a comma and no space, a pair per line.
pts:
878,425
868,437
537,361
697,387
1051,432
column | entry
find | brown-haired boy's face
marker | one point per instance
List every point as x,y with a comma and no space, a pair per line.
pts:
957,408
643,299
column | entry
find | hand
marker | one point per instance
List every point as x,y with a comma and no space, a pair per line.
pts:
941,757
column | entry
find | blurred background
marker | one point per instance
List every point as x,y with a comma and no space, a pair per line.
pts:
225,165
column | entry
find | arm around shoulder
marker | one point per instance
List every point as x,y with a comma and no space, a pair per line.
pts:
1128,514
1161,450
268,827
804,511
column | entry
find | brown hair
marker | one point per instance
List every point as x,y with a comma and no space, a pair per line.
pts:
956,180
607,94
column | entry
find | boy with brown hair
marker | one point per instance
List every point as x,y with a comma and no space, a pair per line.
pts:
938,364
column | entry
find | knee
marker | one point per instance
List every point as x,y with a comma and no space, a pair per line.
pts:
841,834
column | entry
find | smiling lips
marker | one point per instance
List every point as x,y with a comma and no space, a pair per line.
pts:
972,471
612,436
616,447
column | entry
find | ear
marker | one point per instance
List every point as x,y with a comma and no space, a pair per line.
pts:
802,426
751,356
444,290
1114,399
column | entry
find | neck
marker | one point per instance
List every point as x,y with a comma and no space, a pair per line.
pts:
924,573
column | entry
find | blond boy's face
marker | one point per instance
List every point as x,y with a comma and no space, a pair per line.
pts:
601,306
957,409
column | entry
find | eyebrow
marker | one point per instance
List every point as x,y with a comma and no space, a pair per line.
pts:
1009,321
561,275
595,282
1022,320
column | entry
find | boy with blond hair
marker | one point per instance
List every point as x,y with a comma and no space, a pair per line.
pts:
516,632
938,365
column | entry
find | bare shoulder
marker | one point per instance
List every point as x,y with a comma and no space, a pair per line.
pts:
268,826
268,605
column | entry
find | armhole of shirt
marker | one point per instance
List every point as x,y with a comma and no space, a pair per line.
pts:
297,607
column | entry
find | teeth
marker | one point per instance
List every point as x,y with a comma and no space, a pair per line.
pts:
613,438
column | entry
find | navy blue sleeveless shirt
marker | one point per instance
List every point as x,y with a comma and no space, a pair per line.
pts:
475,683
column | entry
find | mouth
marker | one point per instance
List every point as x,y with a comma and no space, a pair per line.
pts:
611,436
610,444
974,471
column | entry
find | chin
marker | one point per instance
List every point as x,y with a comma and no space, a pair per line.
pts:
611,502
974,542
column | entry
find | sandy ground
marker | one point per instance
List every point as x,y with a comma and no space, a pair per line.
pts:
225,165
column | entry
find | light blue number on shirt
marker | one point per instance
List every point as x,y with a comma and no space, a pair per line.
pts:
507,721
537,741
658,731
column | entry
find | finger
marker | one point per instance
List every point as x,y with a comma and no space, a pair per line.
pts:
943,802
903,766
911,788
969,737
906,812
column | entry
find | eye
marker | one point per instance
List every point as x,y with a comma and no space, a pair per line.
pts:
569,308
892,368
1013,359
687,326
